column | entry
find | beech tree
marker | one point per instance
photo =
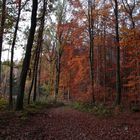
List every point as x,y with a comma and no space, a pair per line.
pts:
86,50
61,39
117,38
131,60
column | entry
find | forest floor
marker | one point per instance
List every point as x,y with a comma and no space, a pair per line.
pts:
64,123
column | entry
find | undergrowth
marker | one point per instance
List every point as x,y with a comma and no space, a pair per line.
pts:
98,109
36,107
3,104
31,109
135,108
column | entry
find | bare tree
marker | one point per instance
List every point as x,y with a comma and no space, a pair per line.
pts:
129,9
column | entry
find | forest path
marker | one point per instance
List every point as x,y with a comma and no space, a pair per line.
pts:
64,123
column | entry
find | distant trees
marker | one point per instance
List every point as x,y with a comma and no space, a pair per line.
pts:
59,45
107,22
130,48
62,31
90,48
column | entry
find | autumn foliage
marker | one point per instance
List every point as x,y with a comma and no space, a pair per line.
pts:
75,75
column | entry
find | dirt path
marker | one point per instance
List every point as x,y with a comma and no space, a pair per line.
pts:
67,124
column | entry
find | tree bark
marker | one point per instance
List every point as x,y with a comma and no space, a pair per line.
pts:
39,73
39,45
91,52
26,62
118,75
3,17
57,79
32,82
12,56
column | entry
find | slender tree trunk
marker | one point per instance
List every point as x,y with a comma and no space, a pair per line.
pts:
57,79
118,75
33,77
12,56
36,74
3,17
30,90
35,85
39,73
36,60
26,62
104,57
39,45
91,52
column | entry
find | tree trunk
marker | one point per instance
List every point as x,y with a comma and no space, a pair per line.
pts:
104,61
12,56
26,62
57,79
3,17
33,77
118,75
39,73
35,85
39,45
91,52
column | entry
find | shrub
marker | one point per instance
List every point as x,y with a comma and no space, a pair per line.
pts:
102,110
98,109
3,103
135,108
87,107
